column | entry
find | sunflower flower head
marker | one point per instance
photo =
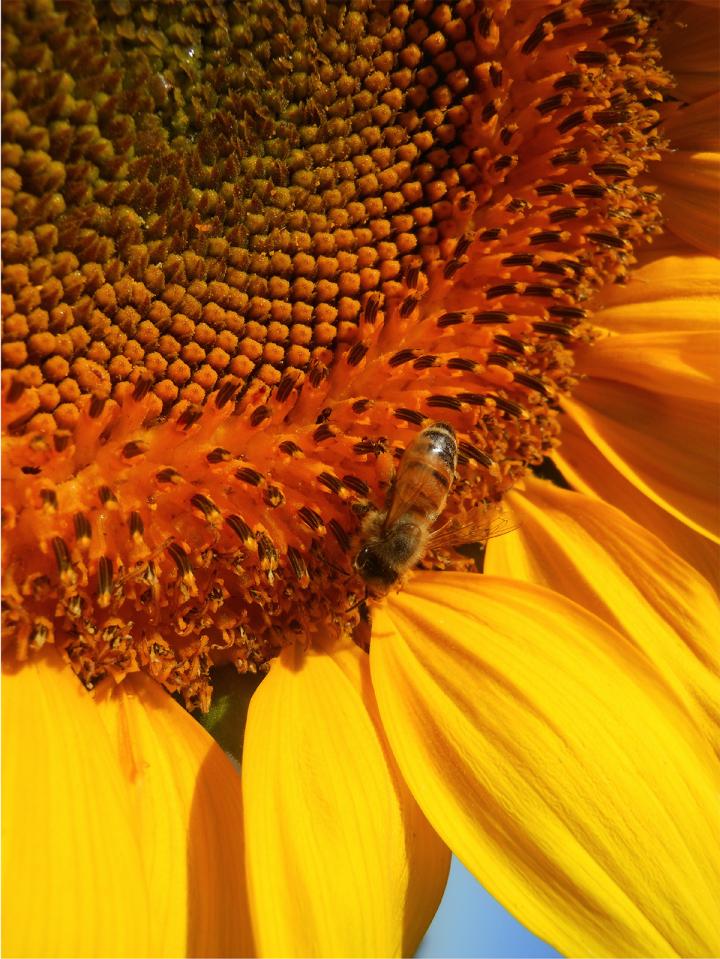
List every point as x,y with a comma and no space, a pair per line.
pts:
250,249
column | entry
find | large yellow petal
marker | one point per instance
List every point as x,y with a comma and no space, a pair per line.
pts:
73,878
674,287
665,445
684,364
588,471
550,756
340,859
601,559
689,42
689,181
187,814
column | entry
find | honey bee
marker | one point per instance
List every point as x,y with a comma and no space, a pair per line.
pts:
396,539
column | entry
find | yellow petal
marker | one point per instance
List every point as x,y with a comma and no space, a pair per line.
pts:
588,471
674,287
340,859
549,755
187,814
689,42
598,557
689,181
666,446
695,127
682,364
73,879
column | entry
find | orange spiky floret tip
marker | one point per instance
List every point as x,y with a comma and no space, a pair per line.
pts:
248,252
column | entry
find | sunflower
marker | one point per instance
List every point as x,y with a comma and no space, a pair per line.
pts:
249,251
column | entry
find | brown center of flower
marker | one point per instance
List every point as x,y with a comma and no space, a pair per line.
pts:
250,249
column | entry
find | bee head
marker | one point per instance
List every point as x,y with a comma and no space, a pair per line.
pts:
373,568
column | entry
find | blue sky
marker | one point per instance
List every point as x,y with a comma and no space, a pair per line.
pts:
470,923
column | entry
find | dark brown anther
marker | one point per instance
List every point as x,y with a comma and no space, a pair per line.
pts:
545,236
568,312
311,519
550,189
105,579
181,558
289,448
340,535
267,552
490,317
106,495
496,74
361,406
218,455
356,353
592,7
240,528
413,275
608,239
189,416
566,158
565,213
273,497
61,440
407,306
83,530
15,391
591,58
142,387
502,289
507,406
554,329
318,373
97,405
250,476
463,245
493,234
168,475
285,387
443,402
137,527
225,393
403,356
462,363
49,499
501,359
518,259
409,416
425,362
452,267
62,556
532,383
472,399
323,432
473,453
612,169
538,289
135,448
205,505
297,564
571,81
571,121
591,191
510,343
549,104
489,111
372,307
329,482
259,415
356,485
504,162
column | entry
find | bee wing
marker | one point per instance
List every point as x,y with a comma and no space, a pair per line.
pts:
406,494
477,527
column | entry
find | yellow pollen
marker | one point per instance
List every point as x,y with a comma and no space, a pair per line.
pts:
249,251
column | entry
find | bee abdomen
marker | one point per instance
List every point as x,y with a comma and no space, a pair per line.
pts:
442,444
